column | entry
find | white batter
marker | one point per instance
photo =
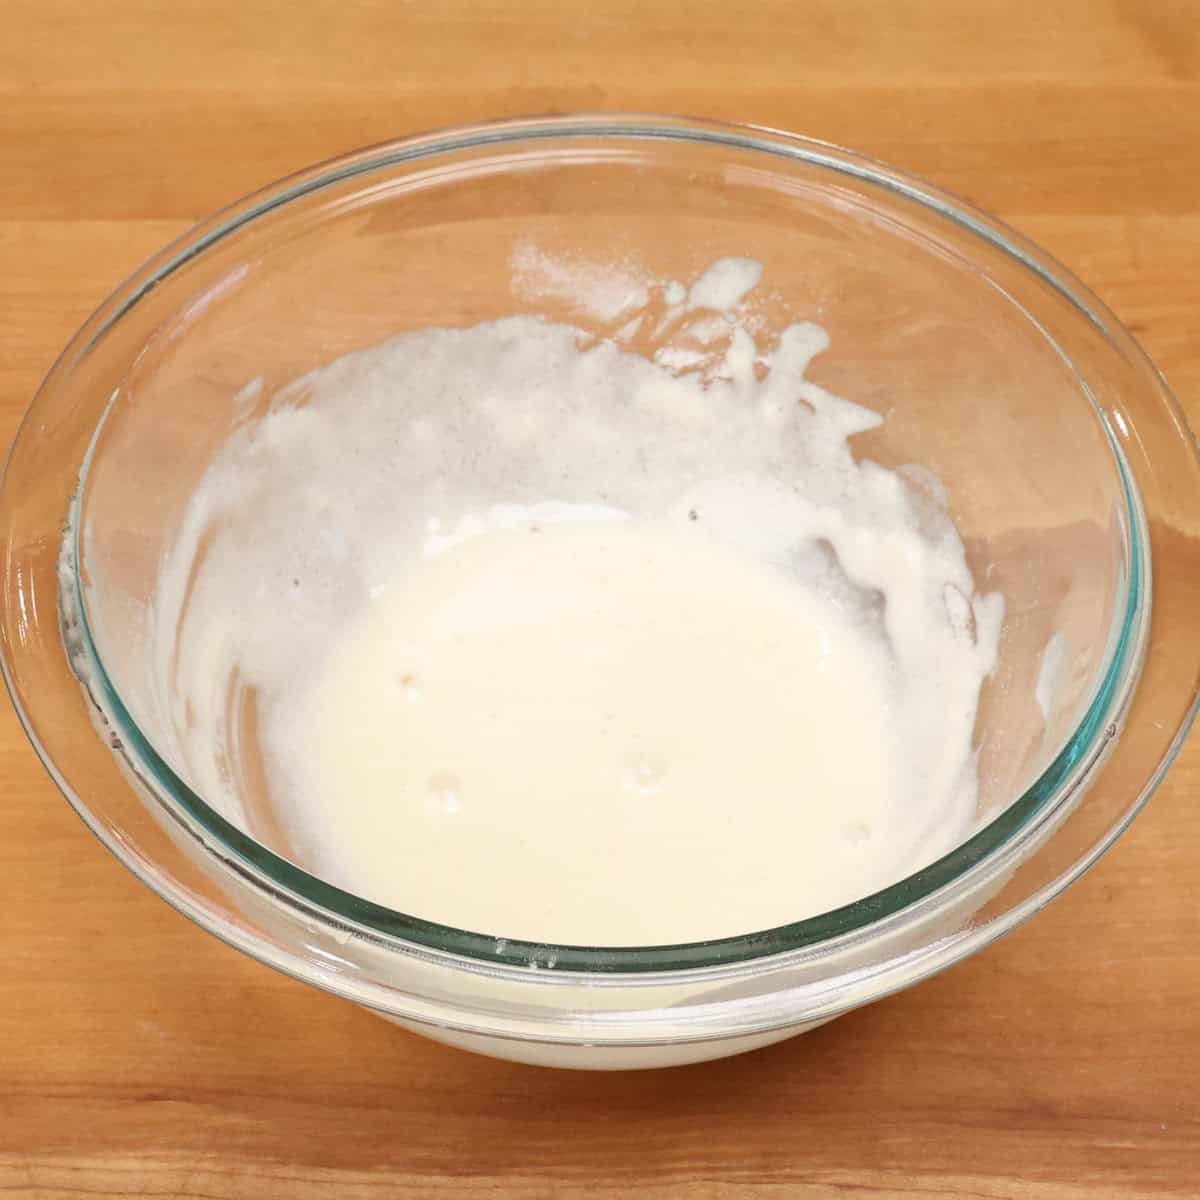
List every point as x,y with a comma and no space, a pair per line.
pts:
553,644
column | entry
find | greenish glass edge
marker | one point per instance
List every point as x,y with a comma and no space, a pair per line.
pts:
344,907
771,142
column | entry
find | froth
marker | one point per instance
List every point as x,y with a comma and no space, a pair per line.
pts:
315,544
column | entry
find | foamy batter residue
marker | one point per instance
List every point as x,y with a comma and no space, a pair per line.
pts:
530,634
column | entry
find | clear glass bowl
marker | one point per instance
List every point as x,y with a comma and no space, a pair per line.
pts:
1070,470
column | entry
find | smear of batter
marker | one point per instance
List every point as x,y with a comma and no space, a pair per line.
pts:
555,644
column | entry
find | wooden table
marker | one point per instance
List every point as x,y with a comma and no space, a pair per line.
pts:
138,1056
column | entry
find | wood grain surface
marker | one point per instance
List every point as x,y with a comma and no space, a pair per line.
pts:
140,1057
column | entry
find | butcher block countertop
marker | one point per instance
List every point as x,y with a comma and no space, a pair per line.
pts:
141,1057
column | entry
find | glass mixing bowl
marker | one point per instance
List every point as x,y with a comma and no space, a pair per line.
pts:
1070,473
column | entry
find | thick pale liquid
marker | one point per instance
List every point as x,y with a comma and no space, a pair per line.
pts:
613,731
548,642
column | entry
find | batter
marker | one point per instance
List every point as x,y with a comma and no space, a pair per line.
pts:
546,640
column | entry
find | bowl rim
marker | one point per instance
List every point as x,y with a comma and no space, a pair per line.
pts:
988,852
